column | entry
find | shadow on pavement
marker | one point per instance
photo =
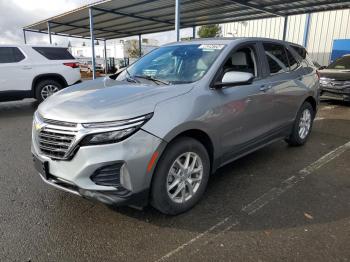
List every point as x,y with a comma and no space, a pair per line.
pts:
18,108
241,182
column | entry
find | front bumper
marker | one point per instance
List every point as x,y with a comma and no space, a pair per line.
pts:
336,94
75,175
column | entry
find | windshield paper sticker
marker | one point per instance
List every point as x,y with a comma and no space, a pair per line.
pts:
212,47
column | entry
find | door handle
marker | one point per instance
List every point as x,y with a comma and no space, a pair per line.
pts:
264,88
26,67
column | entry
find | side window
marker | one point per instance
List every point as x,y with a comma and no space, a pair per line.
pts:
276,57
10,55
54,53
18,55
242,60
301,51
293,63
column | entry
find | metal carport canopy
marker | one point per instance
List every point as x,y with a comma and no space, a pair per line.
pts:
117,19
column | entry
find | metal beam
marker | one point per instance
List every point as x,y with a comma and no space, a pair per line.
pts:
285,27
88,28
147,11
131,15
140,45
194,32
105,55
24,36
91,19
49,32
59,34
306,30
177,19
120,8
255,7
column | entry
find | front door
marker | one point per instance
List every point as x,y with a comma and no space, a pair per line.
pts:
245,109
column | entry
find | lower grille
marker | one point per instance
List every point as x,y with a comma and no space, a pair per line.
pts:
55,143
107,175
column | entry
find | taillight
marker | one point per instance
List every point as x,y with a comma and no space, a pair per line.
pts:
72,65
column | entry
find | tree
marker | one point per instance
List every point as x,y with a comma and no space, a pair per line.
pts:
206,31
132,48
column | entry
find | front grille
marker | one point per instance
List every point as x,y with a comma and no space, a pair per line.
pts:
107,175
335,84
60,123
55,142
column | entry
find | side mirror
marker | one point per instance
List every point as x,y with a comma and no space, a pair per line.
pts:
234,78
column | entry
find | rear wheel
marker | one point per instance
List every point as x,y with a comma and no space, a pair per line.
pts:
46,88
181,176
302,125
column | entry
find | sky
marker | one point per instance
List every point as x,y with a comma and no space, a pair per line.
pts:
14,14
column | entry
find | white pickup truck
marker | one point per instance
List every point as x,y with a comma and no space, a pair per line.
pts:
35,71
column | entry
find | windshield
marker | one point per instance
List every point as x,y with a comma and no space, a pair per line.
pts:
341,64
173,64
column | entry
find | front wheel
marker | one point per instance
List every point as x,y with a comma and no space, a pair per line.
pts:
46,88
181,176
302,125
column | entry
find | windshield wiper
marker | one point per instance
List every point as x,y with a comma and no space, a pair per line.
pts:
129,77
155,80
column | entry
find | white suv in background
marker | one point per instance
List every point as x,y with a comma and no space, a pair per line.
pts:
35,71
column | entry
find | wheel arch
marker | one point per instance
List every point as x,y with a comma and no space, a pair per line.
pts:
201,136
313,103
50,76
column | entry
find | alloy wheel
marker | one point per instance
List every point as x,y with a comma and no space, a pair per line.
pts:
184,177
305,124
48,90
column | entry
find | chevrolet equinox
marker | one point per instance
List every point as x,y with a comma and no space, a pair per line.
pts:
154,132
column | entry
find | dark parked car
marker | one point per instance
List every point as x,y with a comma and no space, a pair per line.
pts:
335,80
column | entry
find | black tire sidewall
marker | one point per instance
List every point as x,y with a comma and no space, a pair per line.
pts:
159,195
43,83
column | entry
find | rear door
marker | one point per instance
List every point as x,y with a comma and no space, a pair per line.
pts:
13,70
285,75
57,60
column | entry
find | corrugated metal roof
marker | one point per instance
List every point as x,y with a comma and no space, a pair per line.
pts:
117,19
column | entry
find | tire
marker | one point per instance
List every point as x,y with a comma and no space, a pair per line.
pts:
52,86
179,149
297,137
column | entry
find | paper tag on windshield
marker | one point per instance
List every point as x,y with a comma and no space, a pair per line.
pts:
211,47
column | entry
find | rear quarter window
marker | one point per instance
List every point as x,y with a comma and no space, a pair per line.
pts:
293,63
303,54
276,57
54,53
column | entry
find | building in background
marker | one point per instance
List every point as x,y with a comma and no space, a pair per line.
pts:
324,28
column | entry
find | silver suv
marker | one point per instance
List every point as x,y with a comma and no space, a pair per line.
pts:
157,130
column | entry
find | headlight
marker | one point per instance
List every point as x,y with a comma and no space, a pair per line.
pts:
112,132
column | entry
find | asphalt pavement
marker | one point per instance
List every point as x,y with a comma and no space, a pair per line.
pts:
277,204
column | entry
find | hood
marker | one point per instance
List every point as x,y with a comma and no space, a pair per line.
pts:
107,100
340,75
